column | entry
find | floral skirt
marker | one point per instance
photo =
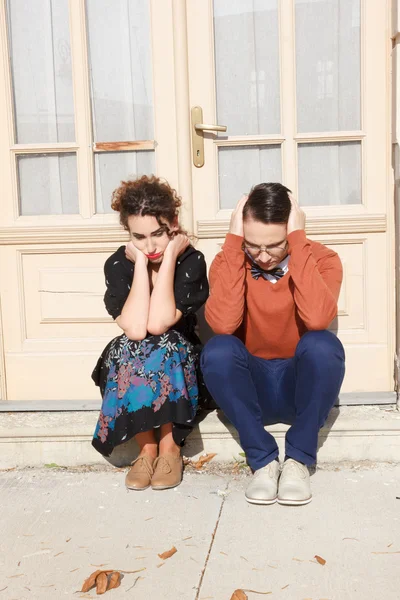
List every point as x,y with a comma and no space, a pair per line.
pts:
145,384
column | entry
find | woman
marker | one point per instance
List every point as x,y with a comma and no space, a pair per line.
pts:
148,375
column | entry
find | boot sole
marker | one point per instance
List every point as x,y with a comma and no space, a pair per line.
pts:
294,502
165,487
136,489
265,502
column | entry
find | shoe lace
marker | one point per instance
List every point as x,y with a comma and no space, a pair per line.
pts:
293,467
142,465
162,465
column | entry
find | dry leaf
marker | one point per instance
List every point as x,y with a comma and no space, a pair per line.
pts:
286,586
319,559
203,460
239,595
101,583
115,580
90,582
168,553
254,592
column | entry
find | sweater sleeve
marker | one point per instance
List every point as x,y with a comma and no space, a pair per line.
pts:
225,305
317,282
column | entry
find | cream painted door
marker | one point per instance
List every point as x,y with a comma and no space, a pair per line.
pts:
303,87
90,94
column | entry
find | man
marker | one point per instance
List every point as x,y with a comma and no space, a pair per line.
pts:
273,294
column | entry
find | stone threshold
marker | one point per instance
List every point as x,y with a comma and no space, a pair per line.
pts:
351,433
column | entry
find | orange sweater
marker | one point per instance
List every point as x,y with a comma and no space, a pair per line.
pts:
270,318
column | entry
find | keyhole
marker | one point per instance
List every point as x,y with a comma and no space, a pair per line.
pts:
198,152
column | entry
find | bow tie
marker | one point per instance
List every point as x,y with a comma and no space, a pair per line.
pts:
257,271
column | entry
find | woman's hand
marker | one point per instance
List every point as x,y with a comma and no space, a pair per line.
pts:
236,224
297,217
134,254
177,245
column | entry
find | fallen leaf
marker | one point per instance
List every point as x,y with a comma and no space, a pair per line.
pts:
58,554
68,540
355,539
390,545
298,559
203,460
319,559
91,581
239,595
168,553
115,580
101,583
188,538
244,558
149,519
224,553
73,570
254,592
12,576
130,572
286,586
160,565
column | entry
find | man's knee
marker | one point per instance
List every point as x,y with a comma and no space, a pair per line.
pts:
220,351
321,345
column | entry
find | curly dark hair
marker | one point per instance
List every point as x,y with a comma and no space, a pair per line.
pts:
147,195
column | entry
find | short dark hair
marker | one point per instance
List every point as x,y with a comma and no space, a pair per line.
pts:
268,203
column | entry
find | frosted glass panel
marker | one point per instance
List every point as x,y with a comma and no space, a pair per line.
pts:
247,66
241,167
41,70
120,69
113,167
330,174
48,184
328,65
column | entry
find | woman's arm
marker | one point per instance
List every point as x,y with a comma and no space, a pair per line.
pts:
163,313
134,316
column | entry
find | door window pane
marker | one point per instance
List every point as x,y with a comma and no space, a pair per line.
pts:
48,184
120,69
242,167
41,70
113,167
328,65
247,66
330,174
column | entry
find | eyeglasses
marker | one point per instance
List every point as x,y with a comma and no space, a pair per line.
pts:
274,251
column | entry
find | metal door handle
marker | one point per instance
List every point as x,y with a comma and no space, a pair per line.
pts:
198,127
205,127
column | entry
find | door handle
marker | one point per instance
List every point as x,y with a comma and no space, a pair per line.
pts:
198,128
205,127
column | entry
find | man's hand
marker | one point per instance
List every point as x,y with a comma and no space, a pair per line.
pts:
236,224
297,217
134,254
177,245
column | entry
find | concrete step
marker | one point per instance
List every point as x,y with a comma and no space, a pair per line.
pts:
352,433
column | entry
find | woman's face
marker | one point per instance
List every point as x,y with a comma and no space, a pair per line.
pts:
265,242
149,236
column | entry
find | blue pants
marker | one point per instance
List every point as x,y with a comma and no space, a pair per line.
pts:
254,392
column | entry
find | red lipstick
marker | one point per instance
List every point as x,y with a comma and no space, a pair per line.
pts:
153,256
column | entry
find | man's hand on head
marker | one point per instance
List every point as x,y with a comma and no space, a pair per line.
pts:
236,224
297,217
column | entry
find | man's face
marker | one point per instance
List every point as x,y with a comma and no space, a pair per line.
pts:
266,243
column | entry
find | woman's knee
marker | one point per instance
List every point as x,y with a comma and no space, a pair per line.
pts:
321,345
221,350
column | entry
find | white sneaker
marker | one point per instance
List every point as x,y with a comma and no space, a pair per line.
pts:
294,484
263,488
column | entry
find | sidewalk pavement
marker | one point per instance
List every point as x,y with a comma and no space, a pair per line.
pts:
58,526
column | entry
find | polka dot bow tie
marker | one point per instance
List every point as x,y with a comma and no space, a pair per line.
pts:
257,272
